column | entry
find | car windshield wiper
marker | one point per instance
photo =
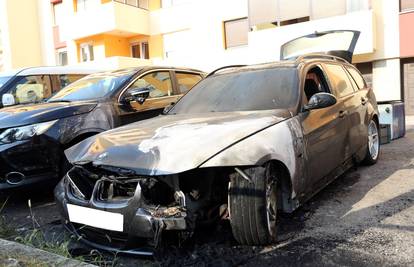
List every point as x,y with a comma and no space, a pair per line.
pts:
59,100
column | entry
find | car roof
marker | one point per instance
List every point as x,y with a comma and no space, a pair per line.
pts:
53,70
289,63
83,70
132,70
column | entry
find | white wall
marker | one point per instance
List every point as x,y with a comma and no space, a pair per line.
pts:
203,22
46,32
386,80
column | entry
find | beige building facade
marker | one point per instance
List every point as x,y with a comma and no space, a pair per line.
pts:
196,33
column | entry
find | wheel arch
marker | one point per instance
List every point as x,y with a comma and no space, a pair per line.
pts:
284,178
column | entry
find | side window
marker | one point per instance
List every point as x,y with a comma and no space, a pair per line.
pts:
159,83
31,89
341,85
357,77
315,82
186,81
66,79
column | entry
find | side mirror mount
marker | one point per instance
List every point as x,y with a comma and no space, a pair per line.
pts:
8,100
137,94
320,100
168,108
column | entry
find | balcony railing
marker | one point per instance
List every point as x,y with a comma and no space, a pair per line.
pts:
136,3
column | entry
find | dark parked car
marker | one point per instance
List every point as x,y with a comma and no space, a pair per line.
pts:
31,85
34,136
243,144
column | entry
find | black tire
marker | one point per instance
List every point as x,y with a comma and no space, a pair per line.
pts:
371,156
248,203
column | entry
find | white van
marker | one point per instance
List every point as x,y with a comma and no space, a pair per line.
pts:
31,85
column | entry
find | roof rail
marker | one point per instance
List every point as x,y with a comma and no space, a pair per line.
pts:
225,67
316,55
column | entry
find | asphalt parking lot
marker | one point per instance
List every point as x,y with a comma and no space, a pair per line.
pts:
364,218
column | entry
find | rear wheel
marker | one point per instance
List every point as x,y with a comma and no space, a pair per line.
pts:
373,149
253,206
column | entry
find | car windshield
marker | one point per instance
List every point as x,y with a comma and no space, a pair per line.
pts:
3,80
265,89
92,87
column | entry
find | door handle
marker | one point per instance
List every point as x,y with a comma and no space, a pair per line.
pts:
342,113
363,100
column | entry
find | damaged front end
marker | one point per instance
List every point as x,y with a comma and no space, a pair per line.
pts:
147,206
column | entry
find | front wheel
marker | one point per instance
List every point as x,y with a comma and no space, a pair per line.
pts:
373,149
253,206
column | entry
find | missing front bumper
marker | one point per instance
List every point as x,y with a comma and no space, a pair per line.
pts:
143,222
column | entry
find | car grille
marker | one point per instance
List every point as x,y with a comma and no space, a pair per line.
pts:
109,188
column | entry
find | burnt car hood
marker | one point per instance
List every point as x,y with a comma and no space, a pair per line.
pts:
35,113
172,143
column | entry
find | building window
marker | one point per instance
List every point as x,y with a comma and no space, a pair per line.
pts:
235,32
406,5
86,52
140,50
83,5
62,58
137,3
293,21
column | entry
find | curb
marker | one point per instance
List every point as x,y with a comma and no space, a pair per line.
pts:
10,250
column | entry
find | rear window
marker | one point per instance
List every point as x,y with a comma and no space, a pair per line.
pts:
263,89
186,81
357,77
341,85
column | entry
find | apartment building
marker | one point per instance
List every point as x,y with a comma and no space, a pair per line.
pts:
407,53
208,34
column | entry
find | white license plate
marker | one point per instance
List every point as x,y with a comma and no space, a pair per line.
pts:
96,218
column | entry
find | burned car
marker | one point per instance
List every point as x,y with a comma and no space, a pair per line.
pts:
245,143
34,136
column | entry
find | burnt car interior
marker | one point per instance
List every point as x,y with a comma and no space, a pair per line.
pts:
315,82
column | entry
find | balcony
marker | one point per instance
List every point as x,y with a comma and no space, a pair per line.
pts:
112,63
113,18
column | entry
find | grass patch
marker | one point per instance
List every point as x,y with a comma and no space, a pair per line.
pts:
36,238
6,231
54,243
20,260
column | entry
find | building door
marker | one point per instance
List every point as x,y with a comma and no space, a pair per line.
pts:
408,82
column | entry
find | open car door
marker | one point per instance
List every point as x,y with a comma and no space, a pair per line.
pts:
340,43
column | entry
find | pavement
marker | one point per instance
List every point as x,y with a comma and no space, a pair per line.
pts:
364,218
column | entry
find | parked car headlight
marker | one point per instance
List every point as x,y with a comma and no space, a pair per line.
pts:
25,132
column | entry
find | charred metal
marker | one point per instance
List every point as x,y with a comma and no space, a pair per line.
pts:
151,204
